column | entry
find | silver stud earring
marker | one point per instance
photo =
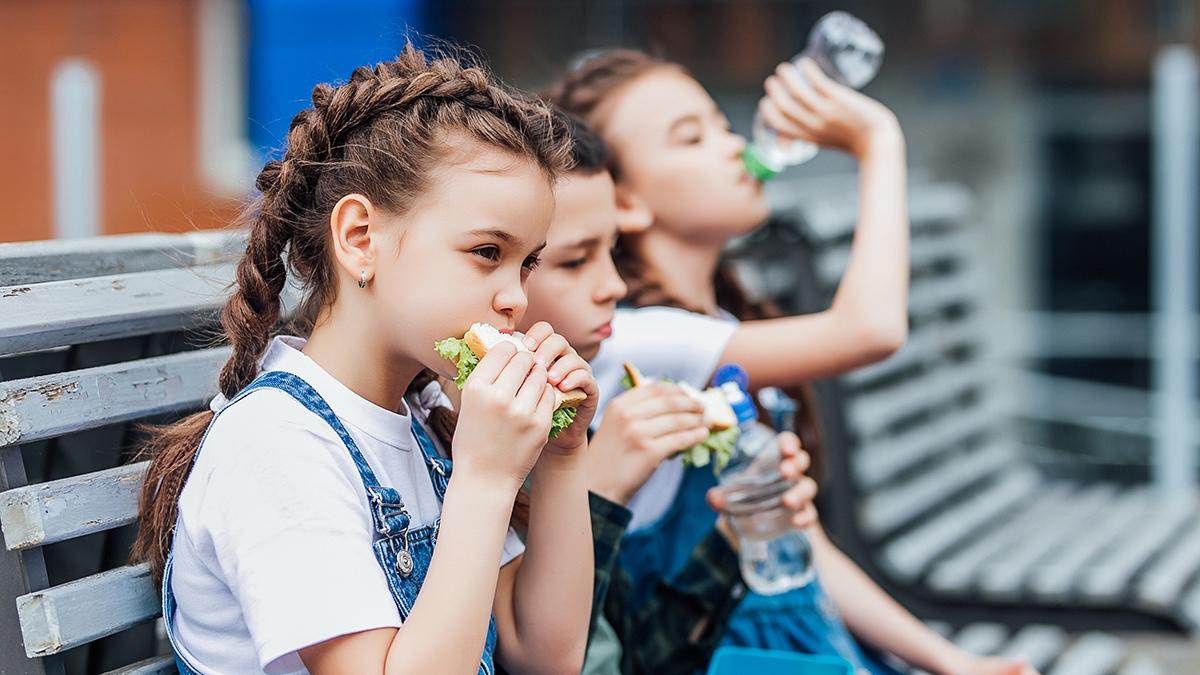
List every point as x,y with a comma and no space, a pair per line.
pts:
362,279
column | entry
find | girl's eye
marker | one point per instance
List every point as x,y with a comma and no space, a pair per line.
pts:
573,264
489,253
531,263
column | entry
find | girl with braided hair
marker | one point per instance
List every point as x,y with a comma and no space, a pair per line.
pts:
682,193
293,524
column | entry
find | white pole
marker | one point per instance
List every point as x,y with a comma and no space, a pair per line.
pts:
75,144
1175,175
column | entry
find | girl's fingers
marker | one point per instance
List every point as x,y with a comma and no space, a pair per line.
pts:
531,390
545,404
802,89
536,334
493,363
716,499
817,78
794,468
801,495
789,104
789,444
805,518
551,350
580,378
513,376
565,364
775,119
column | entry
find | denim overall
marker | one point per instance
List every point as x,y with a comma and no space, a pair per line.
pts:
804,620
403,553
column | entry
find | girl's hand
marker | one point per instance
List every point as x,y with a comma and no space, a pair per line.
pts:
805,103
641,428
565,370
505,416
793,462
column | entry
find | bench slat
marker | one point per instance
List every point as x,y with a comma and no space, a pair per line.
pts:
1141,664
927,344
1111,578
36,515
908,555
1091,654
1054,578
873,413
52,405
79,612
981,638
954,574
1163,583
1005,574
40,316
925,252
1039,645
887,510
158,665
883,458
830,210
61,259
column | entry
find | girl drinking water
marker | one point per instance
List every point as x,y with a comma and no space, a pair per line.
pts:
313,520
682,194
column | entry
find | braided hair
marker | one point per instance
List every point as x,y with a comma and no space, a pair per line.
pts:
379,134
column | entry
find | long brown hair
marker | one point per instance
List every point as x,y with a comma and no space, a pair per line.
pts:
379,134
593,80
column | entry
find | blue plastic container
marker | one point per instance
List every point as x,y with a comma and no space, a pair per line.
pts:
745,661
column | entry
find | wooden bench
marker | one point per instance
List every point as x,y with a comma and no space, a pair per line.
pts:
95,336
930,486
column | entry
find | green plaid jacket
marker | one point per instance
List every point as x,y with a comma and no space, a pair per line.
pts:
678,628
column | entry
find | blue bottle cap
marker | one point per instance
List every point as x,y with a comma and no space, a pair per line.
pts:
732,372
740,401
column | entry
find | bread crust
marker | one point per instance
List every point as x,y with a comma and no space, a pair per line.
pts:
563,399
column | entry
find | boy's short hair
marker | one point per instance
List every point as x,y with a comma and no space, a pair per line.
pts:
589,153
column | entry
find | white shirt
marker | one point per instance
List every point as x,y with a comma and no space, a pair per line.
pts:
273,550
664,343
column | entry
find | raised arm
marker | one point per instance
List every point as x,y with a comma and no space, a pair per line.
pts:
868,320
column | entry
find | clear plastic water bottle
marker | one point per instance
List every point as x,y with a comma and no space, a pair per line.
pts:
774,556
846,50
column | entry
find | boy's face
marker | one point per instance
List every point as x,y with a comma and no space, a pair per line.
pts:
577,287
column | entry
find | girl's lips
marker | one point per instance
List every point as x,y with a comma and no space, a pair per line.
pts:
604,331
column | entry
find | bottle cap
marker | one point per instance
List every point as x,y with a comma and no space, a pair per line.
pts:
740,401
755,166
731,372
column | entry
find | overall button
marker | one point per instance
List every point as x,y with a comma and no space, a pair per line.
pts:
404,563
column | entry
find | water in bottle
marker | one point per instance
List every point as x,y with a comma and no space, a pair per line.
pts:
774,556
846,50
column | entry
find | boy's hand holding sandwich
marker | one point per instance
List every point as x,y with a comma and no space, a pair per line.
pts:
641,428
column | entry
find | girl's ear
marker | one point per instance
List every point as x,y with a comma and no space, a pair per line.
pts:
633,213
353,238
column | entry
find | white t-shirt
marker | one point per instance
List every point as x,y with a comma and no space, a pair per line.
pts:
273,550
664,343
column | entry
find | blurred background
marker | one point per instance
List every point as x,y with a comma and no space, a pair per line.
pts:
1063,132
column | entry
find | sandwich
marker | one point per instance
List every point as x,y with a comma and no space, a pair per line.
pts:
718,416
466,351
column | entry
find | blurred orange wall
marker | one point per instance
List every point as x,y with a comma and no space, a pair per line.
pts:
145,54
